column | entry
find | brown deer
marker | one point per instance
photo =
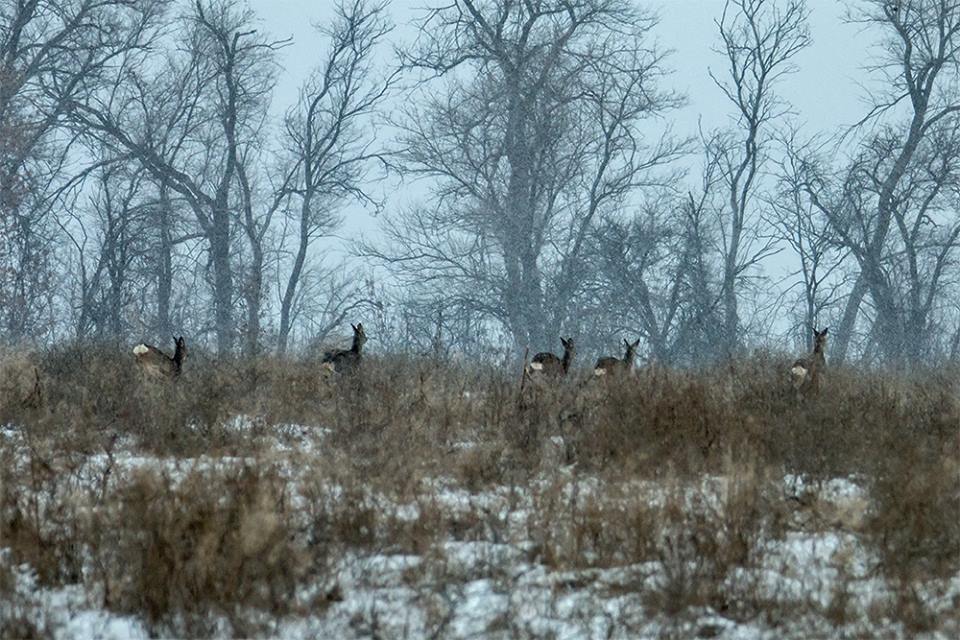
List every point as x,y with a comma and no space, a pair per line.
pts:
156,363
345,360
806,371
548,365
608,365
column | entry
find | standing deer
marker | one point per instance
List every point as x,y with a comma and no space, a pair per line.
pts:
806,371
344,360
608,365
548,365
156,363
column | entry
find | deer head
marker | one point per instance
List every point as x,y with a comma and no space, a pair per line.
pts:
569,349
820,340
359,337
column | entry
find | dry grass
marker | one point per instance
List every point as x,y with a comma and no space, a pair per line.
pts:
184,549
240,529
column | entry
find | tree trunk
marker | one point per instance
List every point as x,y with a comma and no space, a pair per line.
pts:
219,239
286,305
844,332
731,314
254,297
165,265
525,304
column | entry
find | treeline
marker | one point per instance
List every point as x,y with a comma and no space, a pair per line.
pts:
147,188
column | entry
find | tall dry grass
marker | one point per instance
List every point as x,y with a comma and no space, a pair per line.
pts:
185,550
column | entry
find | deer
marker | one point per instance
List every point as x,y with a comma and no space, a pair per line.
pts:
806,371
346,360
156,363
608,365
548,365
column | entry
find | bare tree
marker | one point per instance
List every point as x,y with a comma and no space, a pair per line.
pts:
760,39
914,269
645,278
51,52
798,222
530,132
194,124
919,62
25,273
329,138
108,239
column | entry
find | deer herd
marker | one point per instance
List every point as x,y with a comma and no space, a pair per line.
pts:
805,374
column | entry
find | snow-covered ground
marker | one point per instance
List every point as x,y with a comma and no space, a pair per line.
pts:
495,577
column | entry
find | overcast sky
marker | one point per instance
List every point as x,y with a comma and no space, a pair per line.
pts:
824,92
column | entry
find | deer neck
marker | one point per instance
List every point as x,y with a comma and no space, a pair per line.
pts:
818,357
567,358
177,359
356,346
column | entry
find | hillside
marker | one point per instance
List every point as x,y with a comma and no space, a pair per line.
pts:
422,499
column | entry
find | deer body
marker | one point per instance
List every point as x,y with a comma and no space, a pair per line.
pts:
608,365
806,371
343,360
155,362
549,365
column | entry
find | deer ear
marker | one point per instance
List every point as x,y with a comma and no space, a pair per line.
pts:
824,332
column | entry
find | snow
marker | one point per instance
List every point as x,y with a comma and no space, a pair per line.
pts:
492,580
67,611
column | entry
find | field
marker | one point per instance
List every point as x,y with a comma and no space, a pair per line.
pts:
422,499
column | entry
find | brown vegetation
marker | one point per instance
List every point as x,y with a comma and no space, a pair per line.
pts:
682,469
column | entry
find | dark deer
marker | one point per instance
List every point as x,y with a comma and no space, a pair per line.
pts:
608,365
548,365
343,360
806,371
156,363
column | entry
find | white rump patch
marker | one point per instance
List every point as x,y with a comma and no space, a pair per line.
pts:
536,366
599,372
140,349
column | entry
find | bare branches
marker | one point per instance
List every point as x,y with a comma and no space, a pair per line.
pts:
329,136
918,61
920,44
196,125
533,139
51,53
759,41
